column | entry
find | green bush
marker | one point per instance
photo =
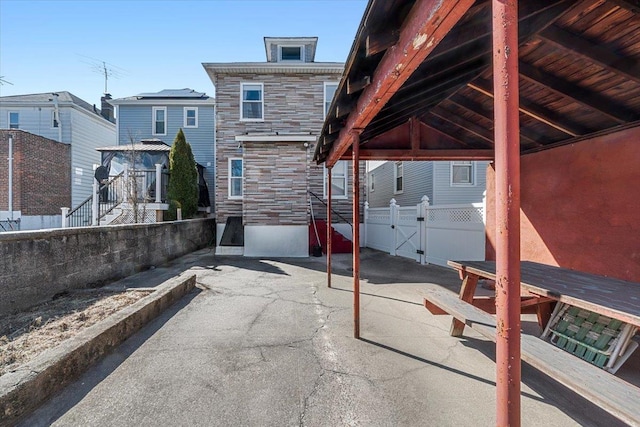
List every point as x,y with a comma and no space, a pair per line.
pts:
183,179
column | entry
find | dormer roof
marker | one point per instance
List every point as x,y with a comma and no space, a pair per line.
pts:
271,46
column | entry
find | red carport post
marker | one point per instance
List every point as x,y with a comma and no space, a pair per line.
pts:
507,158
329,230
356,235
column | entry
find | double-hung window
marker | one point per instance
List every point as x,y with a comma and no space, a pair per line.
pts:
159,120
329,92
462,173
338,180
191,117
252,101
398,177
14,120
235,178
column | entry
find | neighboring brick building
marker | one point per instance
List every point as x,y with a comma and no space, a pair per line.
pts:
269,115
41,171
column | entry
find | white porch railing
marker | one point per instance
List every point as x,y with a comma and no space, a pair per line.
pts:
427,234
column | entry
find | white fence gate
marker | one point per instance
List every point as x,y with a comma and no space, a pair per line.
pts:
427,234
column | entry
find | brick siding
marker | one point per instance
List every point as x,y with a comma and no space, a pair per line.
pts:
41,173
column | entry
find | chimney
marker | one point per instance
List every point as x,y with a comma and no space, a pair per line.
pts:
106,108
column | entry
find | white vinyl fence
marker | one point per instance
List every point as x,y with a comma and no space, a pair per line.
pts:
427,234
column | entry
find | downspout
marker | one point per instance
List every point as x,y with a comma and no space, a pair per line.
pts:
56,112
10,158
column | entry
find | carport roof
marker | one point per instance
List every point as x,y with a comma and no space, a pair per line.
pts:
579,67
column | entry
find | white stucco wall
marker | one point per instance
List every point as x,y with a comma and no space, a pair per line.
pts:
276,240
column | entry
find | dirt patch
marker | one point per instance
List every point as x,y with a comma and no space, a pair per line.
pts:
25,335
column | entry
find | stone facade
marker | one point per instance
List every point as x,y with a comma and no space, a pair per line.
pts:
293,103
41,173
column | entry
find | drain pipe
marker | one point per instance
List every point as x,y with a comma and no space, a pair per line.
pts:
10,158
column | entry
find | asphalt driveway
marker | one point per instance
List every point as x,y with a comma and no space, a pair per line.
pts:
266,343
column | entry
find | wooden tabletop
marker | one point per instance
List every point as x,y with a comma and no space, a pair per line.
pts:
614,298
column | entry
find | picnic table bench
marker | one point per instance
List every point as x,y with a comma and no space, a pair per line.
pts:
541,285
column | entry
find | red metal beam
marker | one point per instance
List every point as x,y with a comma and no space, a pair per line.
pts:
356,236
428,23
329,228
422,154
507,152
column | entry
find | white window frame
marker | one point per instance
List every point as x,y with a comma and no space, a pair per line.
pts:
327,102
242,85
17,125
55,124
153,120
396,176
185,117
302,53
230,178
337,174
372,182
472,173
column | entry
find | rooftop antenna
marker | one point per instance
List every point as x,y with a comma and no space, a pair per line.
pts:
105,69
4,82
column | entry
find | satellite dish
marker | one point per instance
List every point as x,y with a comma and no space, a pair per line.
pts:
101,174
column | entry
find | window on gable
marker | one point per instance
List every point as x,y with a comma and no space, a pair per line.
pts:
159,120
329,92
191,117
398,177
291,53
462,173
252,101
338,180
14,120
235,178
54,120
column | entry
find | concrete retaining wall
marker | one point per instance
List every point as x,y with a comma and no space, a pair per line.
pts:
35,266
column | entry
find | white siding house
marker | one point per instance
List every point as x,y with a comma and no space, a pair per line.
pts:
63,117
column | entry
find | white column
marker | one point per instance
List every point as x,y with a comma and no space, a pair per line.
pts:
393,220
94,203
422,227
65,220
158,182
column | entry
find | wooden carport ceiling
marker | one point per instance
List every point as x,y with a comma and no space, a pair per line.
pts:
579,65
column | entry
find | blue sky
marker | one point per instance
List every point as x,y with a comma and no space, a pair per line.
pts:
151,45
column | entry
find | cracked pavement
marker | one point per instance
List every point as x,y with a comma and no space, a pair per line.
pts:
265,343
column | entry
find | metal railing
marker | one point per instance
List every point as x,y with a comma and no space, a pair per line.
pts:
134,186
332,209
9,224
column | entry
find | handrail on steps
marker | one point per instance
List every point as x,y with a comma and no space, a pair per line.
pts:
332,209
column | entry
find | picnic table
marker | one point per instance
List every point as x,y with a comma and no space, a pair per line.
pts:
542,284
586,299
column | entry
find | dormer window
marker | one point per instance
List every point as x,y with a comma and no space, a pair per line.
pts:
290,53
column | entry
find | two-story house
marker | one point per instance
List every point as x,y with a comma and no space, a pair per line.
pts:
159,116
444,182
269,115
63,117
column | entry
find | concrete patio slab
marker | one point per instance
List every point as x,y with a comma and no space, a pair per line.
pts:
265,343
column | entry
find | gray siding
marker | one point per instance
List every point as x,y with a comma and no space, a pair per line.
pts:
87,134
418,182
445,193
37,120
432,179
135,122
